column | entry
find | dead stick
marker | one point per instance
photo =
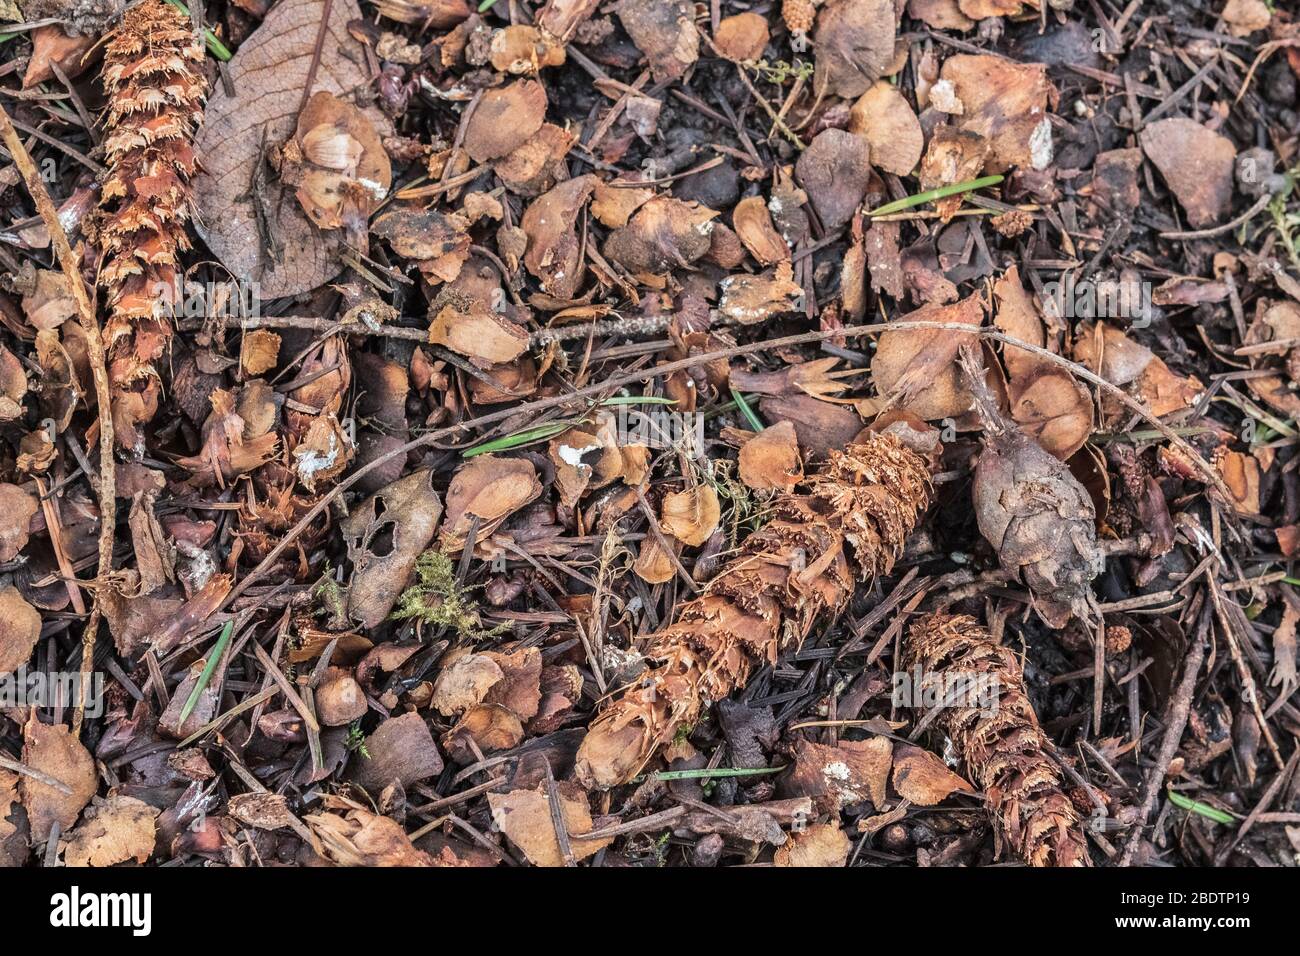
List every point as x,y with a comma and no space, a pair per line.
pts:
95,354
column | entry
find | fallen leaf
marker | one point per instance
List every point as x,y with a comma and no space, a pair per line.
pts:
401,749
1196,163
749,299
917,368
665,233
554,252
854,40
504,120
484,337
835,172
753,225
524,816
883,117
113,831
1053,409
852,772
664,30
20,629
770,460
17,508
922,778
491,489
259,352
821,845
55,752
692,515
1006,103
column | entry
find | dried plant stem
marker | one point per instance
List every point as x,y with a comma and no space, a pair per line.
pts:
795,573
1002,746
95,354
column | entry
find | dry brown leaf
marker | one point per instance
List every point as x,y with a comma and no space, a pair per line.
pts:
264,811
884,118
339,698
821,845
940,14
742,37
753,225
537,165
464,682
484,337
854,40
664,30
259,352
55,752
691,516
17,508
1006,103
921,777
524,816
847,774
385,535
663,234
401,749
20,629
835,171
770,460
1053,409
113,831
1017,316
491,727
613,203
654,565
362,838
1196,163
917,368
748,299
554,252
524,49
52,45
275,58
504,120
491,489
1240,472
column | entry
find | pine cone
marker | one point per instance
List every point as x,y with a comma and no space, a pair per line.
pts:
791,575
1004,749
155,103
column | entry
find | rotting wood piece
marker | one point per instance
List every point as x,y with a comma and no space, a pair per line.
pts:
789,576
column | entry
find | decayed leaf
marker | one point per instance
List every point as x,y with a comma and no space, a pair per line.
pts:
1244,17
484,337
822,844
362,838
385,535
921,777
1110,353
464,682
753,225
490,727
55,752
554,249
16,510
264,811
1240,473
917,368
665,233
259,352
749,299
664,30
114,830
401,749
940,14
20,629
524,49
770,460
742,37
1017,316
524,816
1006,103
491,489
614,202
692,515
834,171
883,117
13,385
654,565
535,166
504,120
850,773
1197,164
275,58
854,40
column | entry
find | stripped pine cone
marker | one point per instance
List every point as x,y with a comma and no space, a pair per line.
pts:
788,577
1002,746
155,103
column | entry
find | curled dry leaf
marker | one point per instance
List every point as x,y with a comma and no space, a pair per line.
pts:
554,252
385,535
819,845
854,40
20,629
524,49
885,120
665,233
55,752
1053,409
922,778
362,838
1107,351
742,37
113,831
484,337
16,510
691,516
664,30
753,226
835,172
1197,164
490,489
1017,316
916,368
525,817
653,564
770,460
1006,103
505,119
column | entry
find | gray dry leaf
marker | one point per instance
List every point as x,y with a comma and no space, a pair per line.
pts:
269,72
1196,162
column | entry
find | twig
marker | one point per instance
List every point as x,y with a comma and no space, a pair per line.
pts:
95,354
1246,216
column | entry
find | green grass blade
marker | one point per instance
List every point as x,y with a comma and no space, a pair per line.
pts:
209,669
754,421
1195,806
943,192
215,46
